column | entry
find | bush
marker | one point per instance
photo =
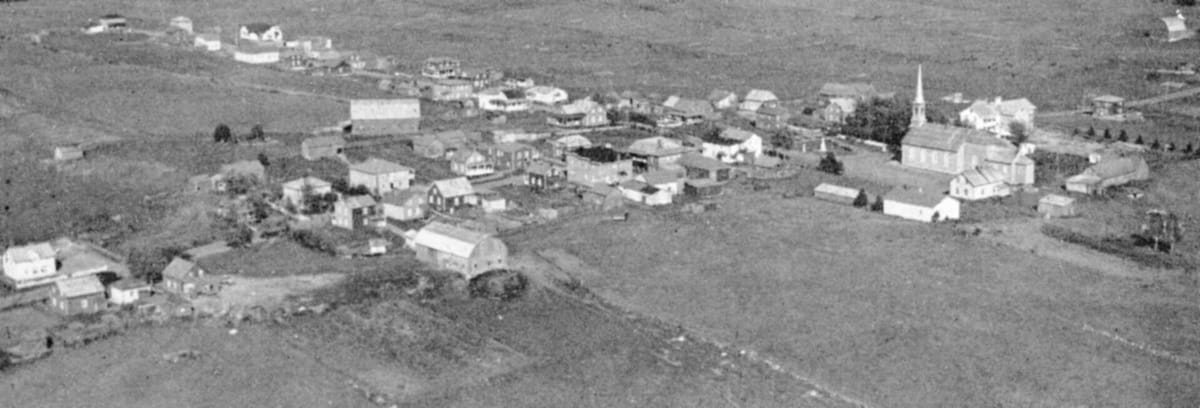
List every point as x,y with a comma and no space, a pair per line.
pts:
314,241
830,164
861,200
499,284
877,206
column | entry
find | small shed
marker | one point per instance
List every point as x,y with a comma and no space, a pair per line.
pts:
127,291
1056,206
1177,27
65,153
836,193
317,147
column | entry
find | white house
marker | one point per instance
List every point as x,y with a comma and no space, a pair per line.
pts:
23,264
262,33
471,163
920,204
127,291
546,95
756,99
381,176
181,23
293,191
502,100
207,41
256,54
996,116
979,183
640,191
405,205
733,145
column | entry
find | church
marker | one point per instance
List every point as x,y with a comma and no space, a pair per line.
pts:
953,150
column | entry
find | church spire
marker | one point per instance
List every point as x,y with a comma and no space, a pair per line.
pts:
918,104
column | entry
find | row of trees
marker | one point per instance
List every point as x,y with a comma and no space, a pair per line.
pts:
1124,137
223,134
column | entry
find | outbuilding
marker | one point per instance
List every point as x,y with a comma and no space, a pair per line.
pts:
377,117
318,147
920,204
1056,206
127,291
80,295
467,252
836,193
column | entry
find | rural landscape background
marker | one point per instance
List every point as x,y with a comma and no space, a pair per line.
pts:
767,302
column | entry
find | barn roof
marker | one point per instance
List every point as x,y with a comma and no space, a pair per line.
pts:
379,166
944,137
385,109
454,187
79,286
450,239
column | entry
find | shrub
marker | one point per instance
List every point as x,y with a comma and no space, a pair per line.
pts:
500,284
222,134
1140,140
314,241
861,200
830,164
877,206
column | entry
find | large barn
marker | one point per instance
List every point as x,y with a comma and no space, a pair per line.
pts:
467,252
378,117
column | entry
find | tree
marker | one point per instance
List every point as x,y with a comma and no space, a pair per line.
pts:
861,200
1139,140
1107,133
881,120
238,184
222,134
781,140
1091,132
877,206
148,263
1123,137
1188,148
1155,145
263,159
830,164
256,133
1018,132
1185,3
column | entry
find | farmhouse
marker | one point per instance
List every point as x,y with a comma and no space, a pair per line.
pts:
732,145
295,190
354,212
566,144
28,265
1056,206
318,147
722,99
497,100
127,291
256,54
207,41
543,175
81,295
581,113
835,193
405,205
185,278
757,98
920,204
839,109
997,116
953,150
450,90
700,167
688,110
471,163
467,252
381,176
641,192
592,165
656,152
375,117
546,95
979,183
670,181
450,195
512,155
1177,27
1109,173
261,33
441,67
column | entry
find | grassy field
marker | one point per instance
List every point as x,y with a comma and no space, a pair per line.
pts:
896,313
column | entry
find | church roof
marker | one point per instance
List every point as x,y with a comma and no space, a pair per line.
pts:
943,137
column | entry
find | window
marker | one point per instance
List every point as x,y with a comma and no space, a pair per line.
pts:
83,303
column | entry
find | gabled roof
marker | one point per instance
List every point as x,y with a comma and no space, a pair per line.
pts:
512,147
1012,106
698,161
258,27
1121,166
759,95
450,239
981,176
983,109
379,166
739,135
30,253
543,90
385,109
572,141
179,268
129,284
79,286
465,156
1175,23
639,186
300,183
580,106
458,186
944,137
361,201
660,177
403,197
845,104
923,197
1109,98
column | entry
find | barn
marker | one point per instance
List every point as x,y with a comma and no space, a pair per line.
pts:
1056,206
378,117
467,252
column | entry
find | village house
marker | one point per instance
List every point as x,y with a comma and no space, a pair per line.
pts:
699,167
450,195
839,109
1109,107
953,150
441,68
67,153
757,98
377,117
502,100
1108,173
510,156
835,193
186,278
457,249
656,152
979,183
127,291
250,53
602,197
997,115
920,204
578,114
450,90
1056,206
687,110
318,147
670,181
471,163
405,205
207,41
381,176
598,165
294,191
309,44
263,33
546,95
81,295
722,99
732,145
772,117
545,175
563,145
641,192
354,212
1177,27
27,265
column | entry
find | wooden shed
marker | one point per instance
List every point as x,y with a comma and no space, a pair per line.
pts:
1056,206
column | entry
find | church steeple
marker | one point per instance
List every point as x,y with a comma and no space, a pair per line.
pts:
918,103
